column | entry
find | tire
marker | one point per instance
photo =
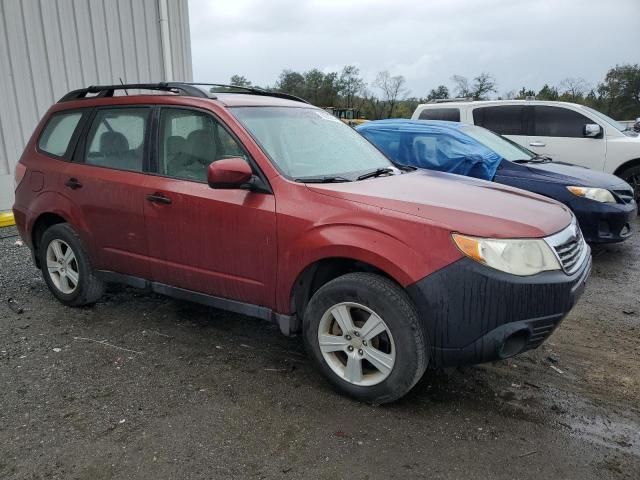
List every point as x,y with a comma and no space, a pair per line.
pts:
72,280
391,361
632,177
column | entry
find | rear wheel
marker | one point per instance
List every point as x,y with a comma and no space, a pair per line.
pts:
66,267
365,335
632,177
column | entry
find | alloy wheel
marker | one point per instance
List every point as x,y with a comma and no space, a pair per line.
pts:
62,266
357,344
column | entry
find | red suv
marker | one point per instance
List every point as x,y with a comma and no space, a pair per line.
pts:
262,204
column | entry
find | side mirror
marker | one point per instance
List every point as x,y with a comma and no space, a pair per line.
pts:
229,173
592,130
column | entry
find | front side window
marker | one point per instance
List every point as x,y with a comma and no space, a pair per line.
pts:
306,143
189,141
558,122
116,138
505,120
449,114
57,134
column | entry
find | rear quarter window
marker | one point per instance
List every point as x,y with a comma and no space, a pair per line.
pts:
505,120
449,114
56,136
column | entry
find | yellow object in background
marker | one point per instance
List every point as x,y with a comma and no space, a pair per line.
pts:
6,219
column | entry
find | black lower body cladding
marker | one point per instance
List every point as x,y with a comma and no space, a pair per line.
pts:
475,314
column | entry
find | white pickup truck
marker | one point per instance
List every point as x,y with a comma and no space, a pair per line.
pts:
566,132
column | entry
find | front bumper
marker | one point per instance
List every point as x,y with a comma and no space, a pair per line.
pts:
605,223
475,314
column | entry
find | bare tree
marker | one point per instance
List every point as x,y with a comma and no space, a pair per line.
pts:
393,89
574,88
461,86
483,84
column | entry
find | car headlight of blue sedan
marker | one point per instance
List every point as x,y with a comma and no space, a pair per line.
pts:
597,194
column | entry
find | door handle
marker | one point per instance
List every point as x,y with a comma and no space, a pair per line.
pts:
537,144
73,183
159,198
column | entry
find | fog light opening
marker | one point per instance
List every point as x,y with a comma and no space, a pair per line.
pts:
514,344
626,230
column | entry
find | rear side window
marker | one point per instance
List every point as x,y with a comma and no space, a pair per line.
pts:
117,138
558,122
505,120
450,114
57,134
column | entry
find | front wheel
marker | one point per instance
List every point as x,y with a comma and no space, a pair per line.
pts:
632,177
364,333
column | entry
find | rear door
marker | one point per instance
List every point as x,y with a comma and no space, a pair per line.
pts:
511,121
214,241
106,183
558,132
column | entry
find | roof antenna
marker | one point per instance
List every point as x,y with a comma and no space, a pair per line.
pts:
122,83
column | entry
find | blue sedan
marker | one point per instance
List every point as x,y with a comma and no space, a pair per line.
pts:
603,204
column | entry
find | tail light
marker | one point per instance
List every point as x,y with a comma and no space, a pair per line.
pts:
20,172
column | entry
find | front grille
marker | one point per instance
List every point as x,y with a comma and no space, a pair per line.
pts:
625,195
570,247
570,252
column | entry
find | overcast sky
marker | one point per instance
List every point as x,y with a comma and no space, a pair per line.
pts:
521,42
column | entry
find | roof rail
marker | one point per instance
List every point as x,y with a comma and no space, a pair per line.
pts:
181,88
447,100
108,90
249,91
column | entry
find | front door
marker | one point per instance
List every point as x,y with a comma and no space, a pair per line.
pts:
558,132
106,183
218,242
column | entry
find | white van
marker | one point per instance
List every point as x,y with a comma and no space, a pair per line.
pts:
566,132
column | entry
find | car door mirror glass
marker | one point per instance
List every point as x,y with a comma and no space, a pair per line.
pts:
229,173
592,130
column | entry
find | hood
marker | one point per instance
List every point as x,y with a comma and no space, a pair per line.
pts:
561,173
461,204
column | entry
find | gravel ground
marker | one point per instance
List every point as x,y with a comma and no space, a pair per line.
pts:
141,386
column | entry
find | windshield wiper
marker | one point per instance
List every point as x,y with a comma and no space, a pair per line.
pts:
376,173
534,159
326,179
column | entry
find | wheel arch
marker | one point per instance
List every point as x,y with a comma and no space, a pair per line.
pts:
626,165
322,271
43,222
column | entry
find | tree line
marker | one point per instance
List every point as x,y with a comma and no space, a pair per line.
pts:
387,96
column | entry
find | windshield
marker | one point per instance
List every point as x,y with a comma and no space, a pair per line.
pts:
607,119
308,143
506,149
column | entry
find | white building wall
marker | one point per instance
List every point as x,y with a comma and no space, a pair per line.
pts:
49,47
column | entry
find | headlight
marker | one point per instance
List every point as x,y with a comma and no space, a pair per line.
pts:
597,194
519,257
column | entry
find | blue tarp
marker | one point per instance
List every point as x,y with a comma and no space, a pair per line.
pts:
433,145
